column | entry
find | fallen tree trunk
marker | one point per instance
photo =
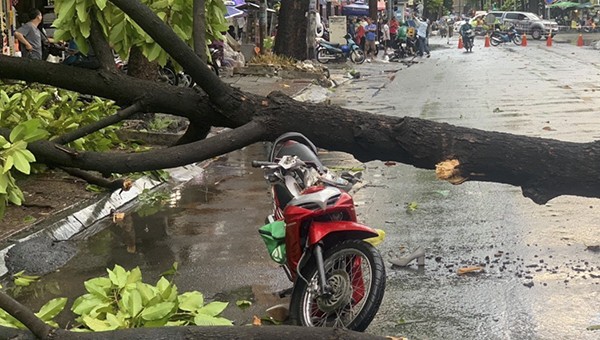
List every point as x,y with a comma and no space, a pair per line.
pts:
195,332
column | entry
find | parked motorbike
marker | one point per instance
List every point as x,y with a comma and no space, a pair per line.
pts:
405,49
339,278
498,37
327,51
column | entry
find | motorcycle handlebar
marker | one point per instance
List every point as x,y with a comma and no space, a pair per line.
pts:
258,164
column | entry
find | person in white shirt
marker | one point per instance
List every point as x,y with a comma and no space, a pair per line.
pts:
422,26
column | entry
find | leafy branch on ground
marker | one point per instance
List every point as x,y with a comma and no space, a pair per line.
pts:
122,300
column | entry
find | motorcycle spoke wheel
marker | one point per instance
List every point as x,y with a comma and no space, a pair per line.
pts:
357,57
517,40
356,275
494,42
322,56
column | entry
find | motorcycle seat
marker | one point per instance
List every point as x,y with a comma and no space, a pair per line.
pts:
333,44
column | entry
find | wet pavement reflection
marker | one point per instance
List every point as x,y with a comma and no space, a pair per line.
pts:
208,226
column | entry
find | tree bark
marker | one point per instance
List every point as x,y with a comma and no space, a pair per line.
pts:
292,35
195,332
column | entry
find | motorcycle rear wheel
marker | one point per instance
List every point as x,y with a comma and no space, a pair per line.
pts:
357,56
322,56
355,271
495,41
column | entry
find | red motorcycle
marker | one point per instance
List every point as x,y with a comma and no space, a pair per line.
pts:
339,278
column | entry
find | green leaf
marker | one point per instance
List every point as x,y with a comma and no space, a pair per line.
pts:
51,309
21,162
28,155
97,325
243,304
82,13
15,195
132,300
213,308
101,4
190,301
3,183
153,52
8,164
99,286
157,311
16,133
118,276
22,282
207,320
86,303
135,276
147,292
4,143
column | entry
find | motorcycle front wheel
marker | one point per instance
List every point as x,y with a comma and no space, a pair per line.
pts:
322,56
355,272
517,40
357,56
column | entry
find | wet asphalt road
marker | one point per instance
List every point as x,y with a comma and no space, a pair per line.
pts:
541,277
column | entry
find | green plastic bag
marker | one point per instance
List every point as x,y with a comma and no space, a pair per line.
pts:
274,236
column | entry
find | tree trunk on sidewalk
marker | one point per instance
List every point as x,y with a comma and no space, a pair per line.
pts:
291,36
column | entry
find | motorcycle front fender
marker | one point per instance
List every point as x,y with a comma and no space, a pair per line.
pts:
342,229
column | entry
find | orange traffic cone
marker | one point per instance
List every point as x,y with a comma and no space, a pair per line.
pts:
524,40
580,40
487,40
460,42
549,40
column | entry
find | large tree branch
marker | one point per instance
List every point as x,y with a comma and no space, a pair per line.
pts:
101,124
219,92
25,316
50,153
210,332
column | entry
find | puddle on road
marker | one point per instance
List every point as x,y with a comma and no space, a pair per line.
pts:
203,226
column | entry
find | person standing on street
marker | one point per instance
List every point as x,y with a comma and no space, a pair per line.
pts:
394,31
30,37
422,26
385,33
371,36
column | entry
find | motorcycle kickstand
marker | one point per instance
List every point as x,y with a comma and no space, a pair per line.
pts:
321,270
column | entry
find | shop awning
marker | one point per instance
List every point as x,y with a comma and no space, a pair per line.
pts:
360,8
233,12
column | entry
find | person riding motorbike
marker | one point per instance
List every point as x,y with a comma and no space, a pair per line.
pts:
467,34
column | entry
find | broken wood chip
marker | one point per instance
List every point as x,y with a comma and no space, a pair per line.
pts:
118,216
448,171
127,184
389,163
256,321
465,270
